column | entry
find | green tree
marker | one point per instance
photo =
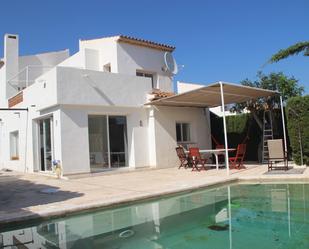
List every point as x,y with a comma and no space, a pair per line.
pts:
287,86
292,50
297,109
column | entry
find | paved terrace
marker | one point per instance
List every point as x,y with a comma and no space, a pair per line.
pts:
21,197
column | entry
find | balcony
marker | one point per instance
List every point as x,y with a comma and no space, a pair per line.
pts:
27,77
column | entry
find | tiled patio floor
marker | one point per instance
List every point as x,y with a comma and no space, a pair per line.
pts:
20,196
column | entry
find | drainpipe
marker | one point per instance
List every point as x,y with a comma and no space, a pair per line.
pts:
225,133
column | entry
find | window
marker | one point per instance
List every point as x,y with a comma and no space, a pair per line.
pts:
147,75
183,132
14,145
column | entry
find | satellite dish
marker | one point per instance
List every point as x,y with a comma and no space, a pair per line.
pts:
170,63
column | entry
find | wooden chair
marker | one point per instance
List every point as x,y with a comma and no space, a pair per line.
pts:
237,160
182,157
276,154
195,159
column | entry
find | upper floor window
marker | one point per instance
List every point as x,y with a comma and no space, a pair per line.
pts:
147,75
183,132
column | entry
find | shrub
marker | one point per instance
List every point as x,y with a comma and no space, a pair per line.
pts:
237,123
297,110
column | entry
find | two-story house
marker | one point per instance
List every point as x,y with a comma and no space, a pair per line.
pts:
88,110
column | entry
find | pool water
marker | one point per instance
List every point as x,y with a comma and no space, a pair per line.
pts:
237,216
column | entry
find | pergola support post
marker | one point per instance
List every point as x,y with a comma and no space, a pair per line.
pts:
225,132
283,125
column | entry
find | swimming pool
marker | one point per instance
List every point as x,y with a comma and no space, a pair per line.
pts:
234,216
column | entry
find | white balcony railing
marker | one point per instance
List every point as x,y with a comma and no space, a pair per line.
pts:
27,76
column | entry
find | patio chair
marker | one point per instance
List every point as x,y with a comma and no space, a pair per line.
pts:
276,154
196,159
237,160
182,157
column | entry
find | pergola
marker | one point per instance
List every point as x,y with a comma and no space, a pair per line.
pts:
219,94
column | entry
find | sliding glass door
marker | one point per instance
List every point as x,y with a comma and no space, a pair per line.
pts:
107,142
46,144
98,142
117,140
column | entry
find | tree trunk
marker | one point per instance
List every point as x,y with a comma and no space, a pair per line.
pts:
258,121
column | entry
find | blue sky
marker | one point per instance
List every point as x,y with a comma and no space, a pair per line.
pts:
215,40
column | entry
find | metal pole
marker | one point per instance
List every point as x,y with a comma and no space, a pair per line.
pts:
283,125
225,133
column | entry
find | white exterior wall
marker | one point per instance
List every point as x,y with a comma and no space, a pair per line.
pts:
107,48
164,133
26,123
17,123
126,59
75,138
131,58
86,87
185,87
83,59
74,141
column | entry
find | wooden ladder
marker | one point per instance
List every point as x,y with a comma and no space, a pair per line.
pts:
267,133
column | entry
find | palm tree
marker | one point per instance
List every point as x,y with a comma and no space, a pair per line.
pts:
292,50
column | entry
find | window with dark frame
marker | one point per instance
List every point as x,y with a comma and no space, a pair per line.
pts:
147,75
183,132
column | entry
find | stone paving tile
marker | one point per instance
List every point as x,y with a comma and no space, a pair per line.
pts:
20,196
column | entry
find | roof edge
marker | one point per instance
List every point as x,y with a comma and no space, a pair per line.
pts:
137,41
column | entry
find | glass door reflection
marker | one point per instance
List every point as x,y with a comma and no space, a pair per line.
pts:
46,144
107,141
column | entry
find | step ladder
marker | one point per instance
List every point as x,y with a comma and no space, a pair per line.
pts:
267,133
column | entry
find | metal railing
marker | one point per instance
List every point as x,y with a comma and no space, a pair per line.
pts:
27,76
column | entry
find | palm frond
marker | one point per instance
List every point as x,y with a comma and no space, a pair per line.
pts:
292,50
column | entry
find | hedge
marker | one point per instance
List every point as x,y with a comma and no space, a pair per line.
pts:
239,126
237,123
297,111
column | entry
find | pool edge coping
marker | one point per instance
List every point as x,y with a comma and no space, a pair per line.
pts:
80,209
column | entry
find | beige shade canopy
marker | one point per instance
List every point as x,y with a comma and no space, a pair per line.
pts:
210,96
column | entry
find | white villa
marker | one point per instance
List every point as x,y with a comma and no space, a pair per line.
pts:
89,110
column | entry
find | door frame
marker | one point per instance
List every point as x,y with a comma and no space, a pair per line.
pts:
108,137
50,117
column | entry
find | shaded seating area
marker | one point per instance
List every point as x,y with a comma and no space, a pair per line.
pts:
222,94
276,154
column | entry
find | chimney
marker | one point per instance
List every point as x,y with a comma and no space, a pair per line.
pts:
11,48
